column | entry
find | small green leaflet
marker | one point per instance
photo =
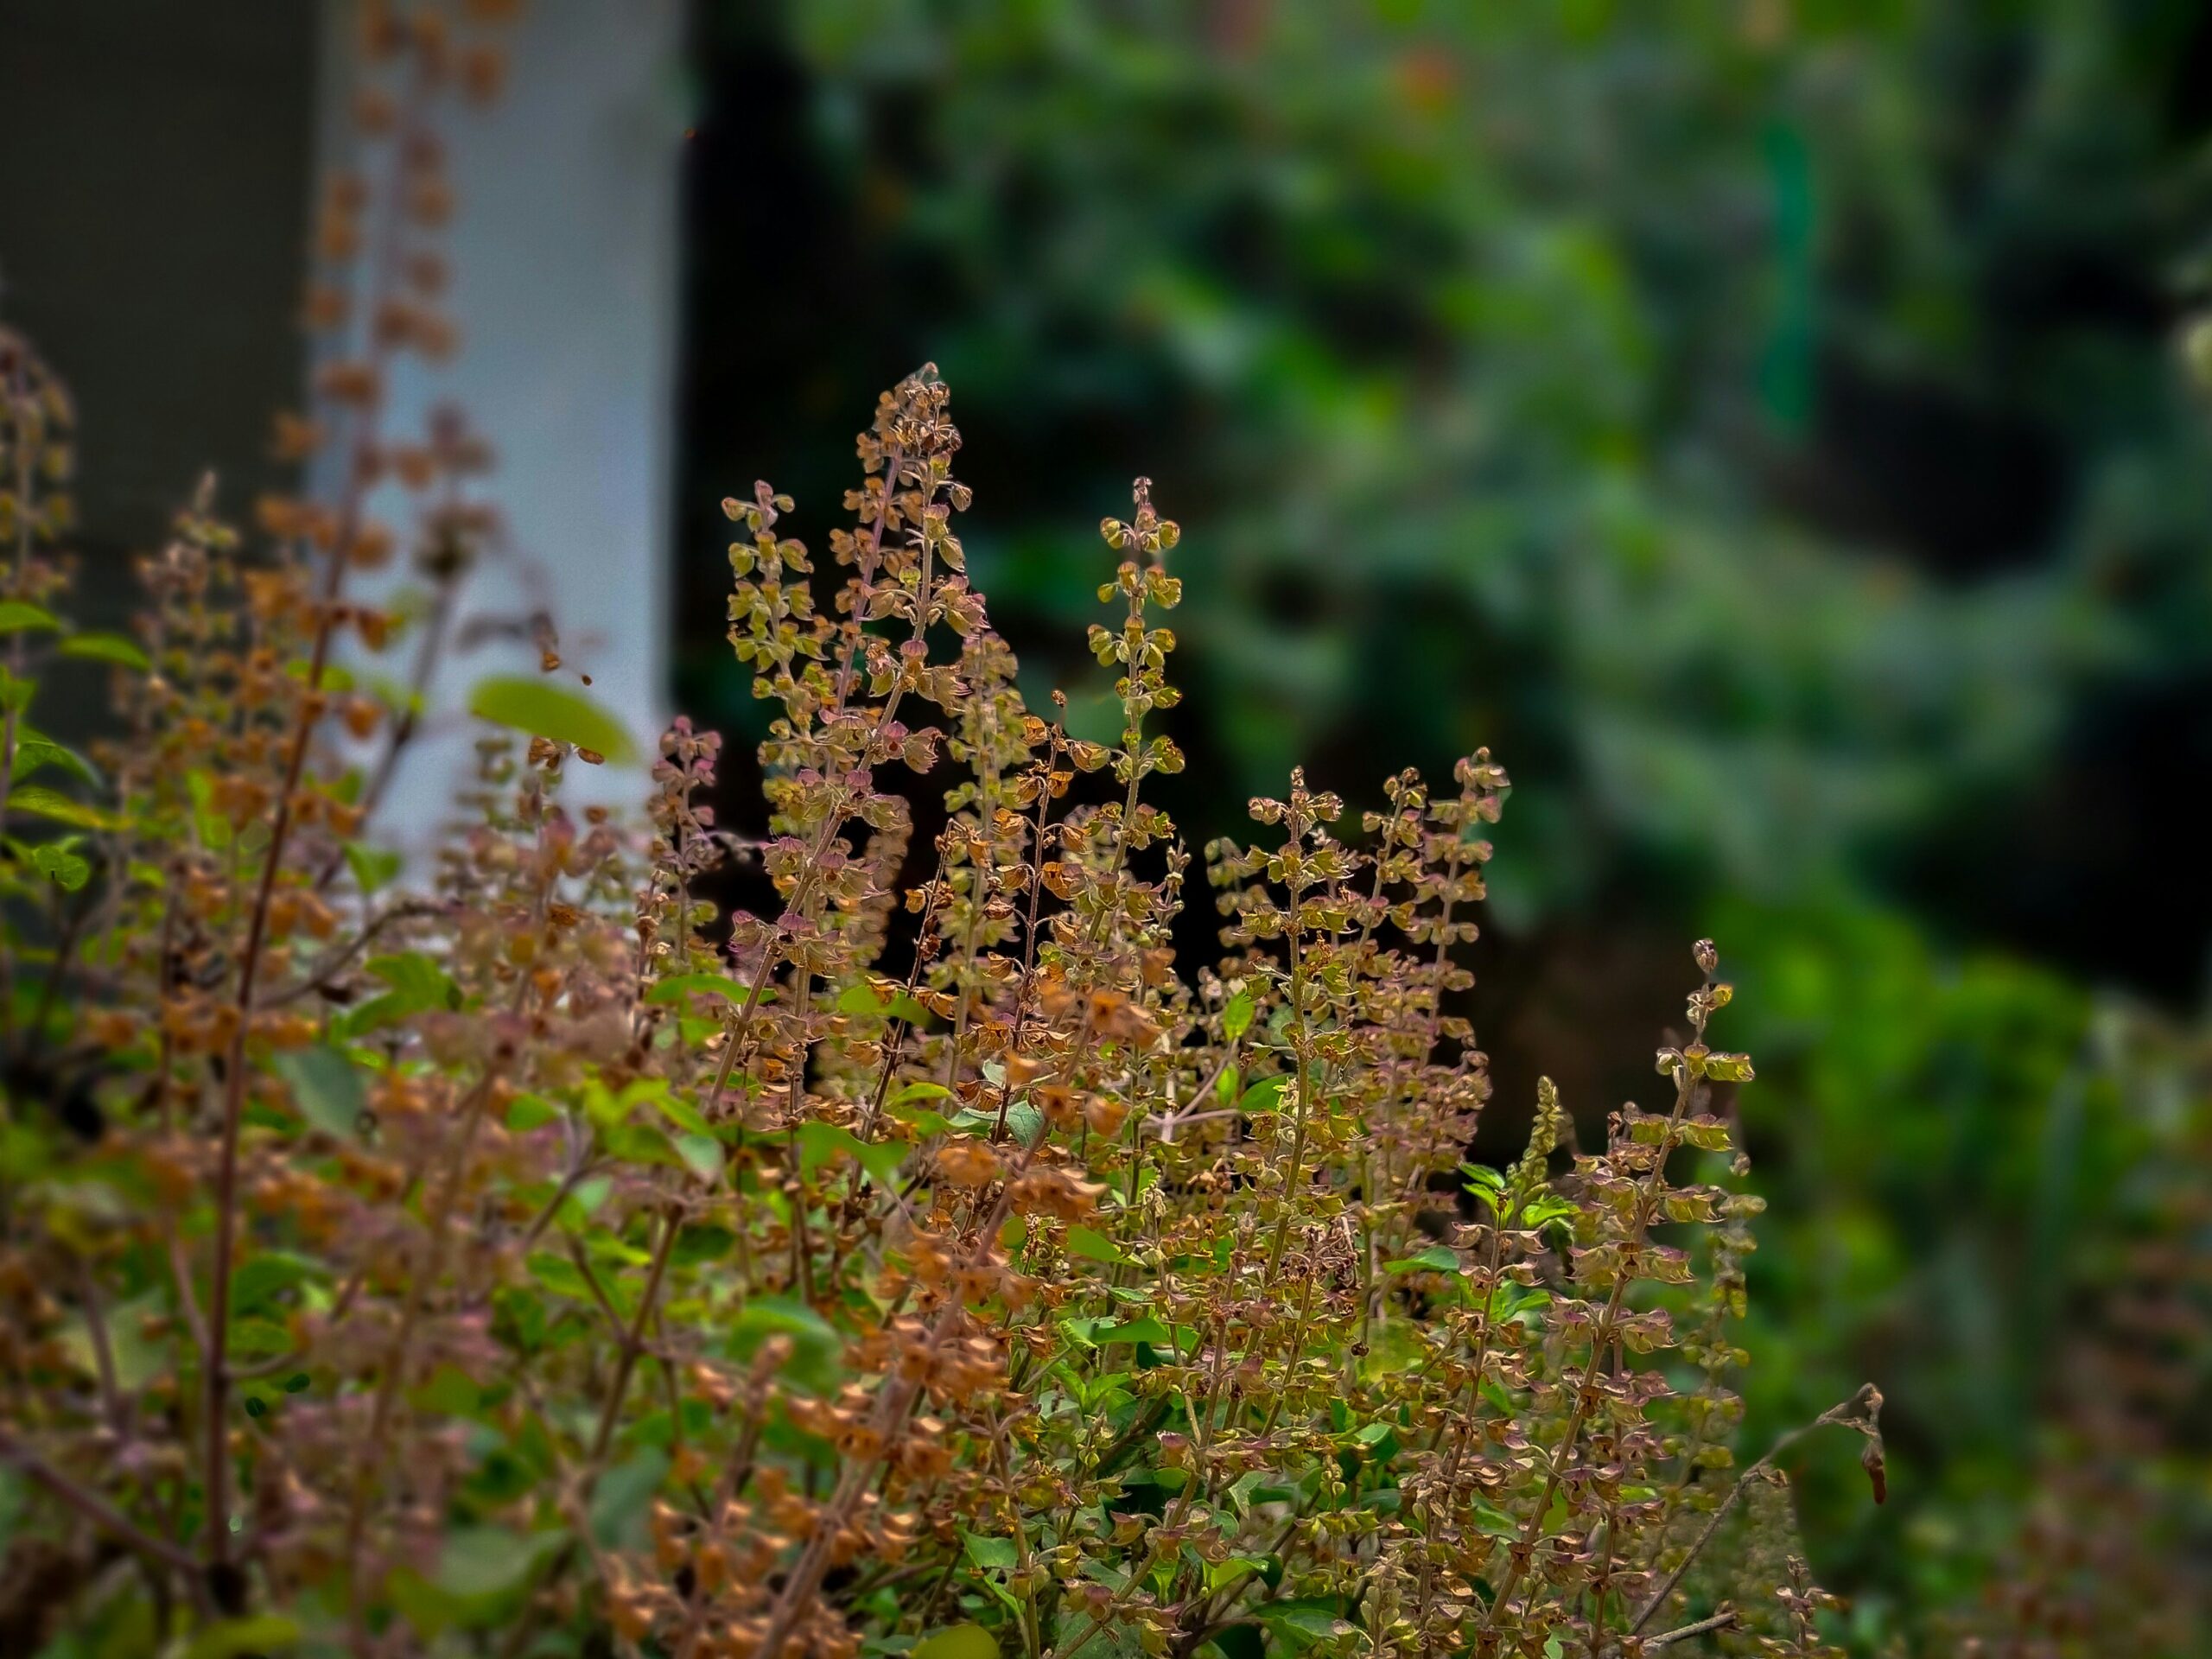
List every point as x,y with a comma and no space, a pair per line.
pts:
1483,1183
15,616
105,648
553,712
58,862
372,867
213,828
418,986
52,804
1543,1208
1236,1018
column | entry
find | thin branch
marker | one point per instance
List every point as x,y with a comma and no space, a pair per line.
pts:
1725,1619
97,1509
320,973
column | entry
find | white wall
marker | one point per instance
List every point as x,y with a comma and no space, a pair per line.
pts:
565,264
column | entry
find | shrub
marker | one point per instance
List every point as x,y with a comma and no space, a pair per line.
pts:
552,1262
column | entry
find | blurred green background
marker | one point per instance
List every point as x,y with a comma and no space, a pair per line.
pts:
1769,427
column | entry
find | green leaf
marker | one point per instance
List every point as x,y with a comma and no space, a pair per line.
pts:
1546,1207
1094,1246
1303,1620
35,749
1494,1520
641,1143
234,1638
60,863
15,616
817,1346
550,711
327,1088
959,1642
1025,1122
990,1553
703,1152
676,986
1236,1018
684,1114
861,998
483,1561
365,1017
822,1143
105,648
527,1112
372,866
419,982
1263,1095
257,1284
1436,1258
618,1502
929,1123
52,804
137,1358
212,827
1483,1183
559,1275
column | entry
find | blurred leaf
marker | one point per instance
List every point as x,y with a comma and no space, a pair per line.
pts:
239,1638
958,1642
619,1501
554,712
107,648
15,617
48,803
327,1087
